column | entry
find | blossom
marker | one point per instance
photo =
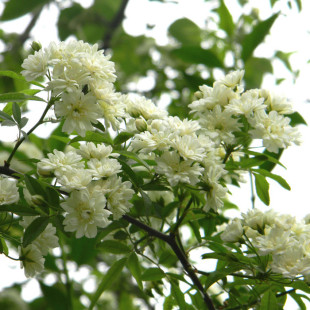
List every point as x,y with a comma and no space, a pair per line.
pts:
104,167
117,192
78,110
232,79
59,162
35,65
31,260
46,240
177,170
73,178
233,231
91,150
8,191
85,213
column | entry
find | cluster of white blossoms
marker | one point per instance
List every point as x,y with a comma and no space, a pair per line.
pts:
282,237
31,256
81,78
90,175
220,109
8,191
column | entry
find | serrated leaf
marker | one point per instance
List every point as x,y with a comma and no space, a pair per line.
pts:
113,246
134,267
262,188
256,37
36,227
16,112
275,177
152,274
122,137
108,279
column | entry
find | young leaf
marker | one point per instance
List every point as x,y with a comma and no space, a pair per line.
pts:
16,112
262,188
134,267
273,176
256,37
35,229
114,247
108,279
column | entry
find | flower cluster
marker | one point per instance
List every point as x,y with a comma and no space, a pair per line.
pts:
90,175
282,237
8,191
31,256
221,109
81,78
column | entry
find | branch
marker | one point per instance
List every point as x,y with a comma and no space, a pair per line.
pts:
116,21
170,239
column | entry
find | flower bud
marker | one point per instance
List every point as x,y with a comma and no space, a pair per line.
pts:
36,46
141,124
198,95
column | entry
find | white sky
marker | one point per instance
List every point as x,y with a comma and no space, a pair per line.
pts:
290,34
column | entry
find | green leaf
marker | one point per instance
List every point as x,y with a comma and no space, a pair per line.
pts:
226,22
269,165
19,210
15,97
178,296
122,137
23,122
113,246
12,75
15,8
256,37
271,157
185,31
195,227
134,157
275,177
135,178
197,55
296,119
34,186
262,188
298,300
134,267
6,116
301,285
269,301
36,227
152,274
54,296
16,112
3,247
109,278
95,137
246,163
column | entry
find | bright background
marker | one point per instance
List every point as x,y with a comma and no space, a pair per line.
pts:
282,37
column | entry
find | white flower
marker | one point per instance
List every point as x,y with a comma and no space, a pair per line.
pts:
177,170
232,79
274,129
189,147
182,127
91,150
59,162
78,110
247,104
74,179
8,191
85,213
233,231
276,103
104,167
46,240
31,260
35,65
118,194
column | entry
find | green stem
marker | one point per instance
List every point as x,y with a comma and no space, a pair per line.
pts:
20,141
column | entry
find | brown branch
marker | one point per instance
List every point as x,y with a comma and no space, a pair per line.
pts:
114,24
